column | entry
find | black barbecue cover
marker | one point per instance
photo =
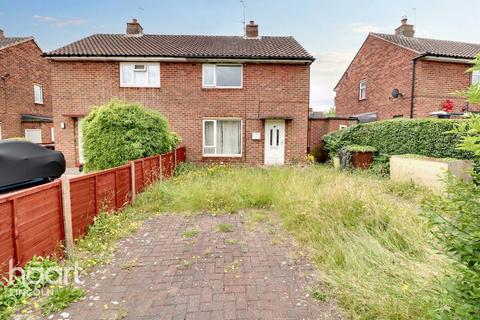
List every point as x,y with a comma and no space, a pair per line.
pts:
22,161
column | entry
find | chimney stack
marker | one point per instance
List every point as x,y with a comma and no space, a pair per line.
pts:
406,30
2,35
251,30
134,28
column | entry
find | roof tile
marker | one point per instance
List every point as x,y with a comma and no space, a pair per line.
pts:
10,41
184,46
436,47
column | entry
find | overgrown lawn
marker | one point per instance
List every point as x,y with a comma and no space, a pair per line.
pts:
364,233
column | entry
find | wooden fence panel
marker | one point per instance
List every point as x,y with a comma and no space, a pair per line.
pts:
82,197
138,175
36,223
31,220
147,173
181,154
168,163
105,191
7,243
123,186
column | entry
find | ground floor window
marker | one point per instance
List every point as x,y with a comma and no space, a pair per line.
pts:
33,135
222,137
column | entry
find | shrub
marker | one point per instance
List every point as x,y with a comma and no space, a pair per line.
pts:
121,131
455,221
359,148
400,136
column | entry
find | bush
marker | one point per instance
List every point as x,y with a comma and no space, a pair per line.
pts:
121,131
455,221
400,136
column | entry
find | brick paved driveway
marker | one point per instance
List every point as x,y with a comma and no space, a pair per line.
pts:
163,272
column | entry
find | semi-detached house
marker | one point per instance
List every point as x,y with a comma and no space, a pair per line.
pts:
25,95
231,98
402,76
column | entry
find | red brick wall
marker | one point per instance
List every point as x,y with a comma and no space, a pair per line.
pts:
437,81
385,66
26,67
268,89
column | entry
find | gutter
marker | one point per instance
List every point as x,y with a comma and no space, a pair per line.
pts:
412,94
177,59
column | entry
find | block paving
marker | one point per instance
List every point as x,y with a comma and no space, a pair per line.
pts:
179,267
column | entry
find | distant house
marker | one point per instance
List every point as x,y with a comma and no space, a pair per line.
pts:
25,98
231,98
399,75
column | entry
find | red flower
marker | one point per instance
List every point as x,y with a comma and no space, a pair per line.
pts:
448,105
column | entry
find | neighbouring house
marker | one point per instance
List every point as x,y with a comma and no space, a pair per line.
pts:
25,96
231,98
400,75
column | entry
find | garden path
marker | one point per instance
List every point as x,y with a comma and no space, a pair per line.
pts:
178,267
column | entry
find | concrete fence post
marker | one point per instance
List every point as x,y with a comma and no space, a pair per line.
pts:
67,215
132,173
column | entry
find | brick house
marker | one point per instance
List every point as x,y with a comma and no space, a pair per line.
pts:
230,98
399,75
25,97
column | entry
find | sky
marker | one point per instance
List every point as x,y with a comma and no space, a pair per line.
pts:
332,31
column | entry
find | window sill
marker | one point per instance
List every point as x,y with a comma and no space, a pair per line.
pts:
157,87
39,103
221,155
229,88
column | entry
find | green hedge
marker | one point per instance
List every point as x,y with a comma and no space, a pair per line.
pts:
118,132
425,137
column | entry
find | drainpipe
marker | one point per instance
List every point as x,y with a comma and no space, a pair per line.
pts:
412,95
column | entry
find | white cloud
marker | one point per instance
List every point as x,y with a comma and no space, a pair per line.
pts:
55,22
325,72
361,27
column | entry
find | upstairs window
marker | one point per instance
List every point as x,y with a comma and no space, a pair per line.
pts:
362,92
475,77
38,93
140,75
222,76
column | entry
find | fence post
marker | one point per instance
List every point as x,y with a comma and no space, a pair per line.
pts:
161,166
132,173
67,215
175,159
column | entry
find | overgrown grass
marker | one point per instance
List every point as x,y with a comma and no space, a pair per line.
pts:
60,298
364,233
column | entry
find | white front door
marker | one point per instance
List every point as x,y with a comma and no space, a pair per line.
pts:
33,135
274,142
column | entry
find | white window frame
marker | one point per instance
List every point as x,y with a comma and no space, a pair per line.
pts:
146,64
475,77
35,85
52,134
36,130
362,87
214,86
214,120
